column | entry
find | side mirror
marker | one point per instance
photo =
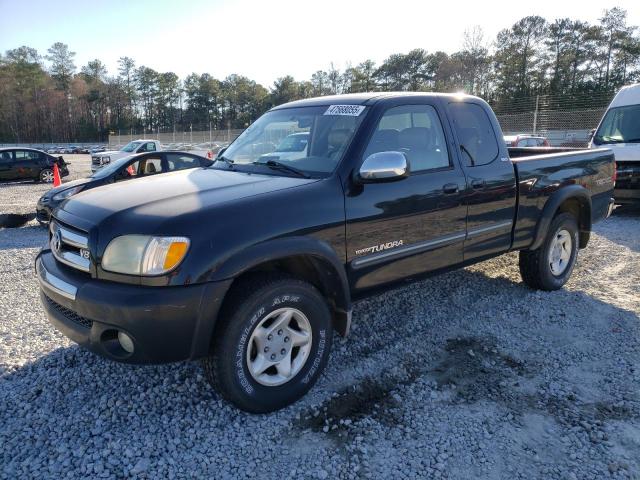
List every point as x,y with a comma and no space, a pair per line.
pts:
384,167
592,133
221,151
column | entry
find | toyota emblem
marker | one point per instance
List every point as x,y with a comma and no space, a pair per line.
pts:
56,241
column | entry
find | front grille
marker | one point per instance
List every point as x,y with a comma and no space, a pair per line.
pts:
95,160
628,174
70,246
69,314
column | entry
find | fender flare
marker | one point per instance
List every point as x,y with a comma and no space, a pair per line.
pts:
578,192
329,266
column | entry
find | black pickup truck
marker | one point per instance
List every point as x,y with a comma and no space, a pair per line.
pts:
251,263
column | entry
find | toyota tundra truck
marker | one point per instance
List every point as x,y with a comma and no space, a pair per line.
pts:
252,263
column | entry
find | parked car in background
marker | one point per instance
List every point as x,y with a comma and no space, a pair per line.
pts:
206,149
127,168
136,146
29,164
526,140
619,130
290,147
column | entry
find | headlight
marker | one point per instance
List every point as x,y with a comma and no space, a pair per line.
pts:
144,255
66,193
105,160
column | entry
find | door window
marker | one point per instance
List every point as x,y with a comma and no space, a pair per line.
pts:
180,162
475,133
414,130
151,166
27,155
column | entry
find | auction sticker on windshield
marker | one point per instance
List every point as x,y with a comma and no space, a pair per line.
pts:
348,110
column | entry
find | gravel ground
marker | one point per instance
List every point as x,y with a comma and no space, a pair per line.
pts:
466,375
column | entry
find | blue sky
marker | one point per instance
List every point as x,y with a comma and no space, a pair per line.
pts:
265,39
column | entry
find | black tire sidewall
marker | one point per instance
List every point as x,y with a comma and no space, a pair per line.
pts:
566,222
233,370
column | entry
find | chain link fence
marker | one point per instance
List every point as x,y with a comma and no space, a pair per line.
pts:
565,120
176,138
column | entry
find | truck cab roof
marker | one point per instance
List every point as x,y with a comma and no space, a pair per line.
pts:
368,98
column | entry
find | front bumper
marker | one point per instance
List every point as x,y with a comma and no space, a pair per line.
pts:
166,324
43,211
627,188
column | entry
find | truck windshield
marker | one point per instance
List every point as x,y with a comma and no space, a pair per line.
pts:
309,139
620,125
130,147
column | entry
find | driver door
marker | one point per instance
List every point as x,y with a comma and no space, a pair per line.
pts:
414,225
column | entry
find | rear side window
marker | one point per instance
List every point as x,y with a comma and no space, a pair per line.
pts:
5,157
27,155
181,162
475,133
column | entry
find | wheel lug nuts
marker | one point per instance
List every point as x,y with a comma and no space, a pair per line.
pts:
266,349
273,356
286,339
283,351
270,337
280,332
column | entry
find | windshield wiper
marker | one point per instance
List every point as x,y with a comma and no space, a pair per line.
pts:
281,166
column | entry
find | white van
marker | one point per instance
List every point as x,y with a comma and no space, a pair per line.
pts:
619,130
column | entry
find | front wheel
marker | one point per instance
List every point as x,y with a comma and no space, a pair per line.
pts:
550,266
271,345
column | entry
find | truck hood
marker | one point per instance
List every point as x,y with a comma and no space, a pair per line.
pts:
162,197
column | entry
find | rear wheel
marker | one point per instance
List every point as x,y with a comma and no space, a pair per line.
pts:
550,266
272,343
46,175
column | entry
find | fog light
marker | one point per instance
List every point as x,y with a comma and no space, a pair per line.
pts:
125,342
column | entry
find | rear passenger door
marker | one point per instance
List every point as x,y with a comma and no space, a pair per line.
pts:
414,225
491,180
26,164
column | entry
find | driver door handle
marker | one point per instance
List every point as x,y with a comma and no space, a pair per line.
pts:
477,184
450,188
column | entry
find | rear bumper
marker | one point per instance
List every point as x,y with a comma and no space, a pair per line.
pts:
166,324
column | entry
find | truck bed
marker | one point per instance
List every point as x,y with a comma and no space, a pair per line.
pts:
543,171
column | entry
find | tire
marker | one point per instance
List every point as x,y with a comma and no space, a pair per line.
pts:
538,270
46,175
262,301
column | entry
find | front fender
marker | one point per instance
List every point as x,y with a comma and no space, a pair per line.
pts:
328,265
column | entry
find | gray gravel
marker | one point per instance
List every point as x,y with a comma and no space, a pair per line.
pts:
466,375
